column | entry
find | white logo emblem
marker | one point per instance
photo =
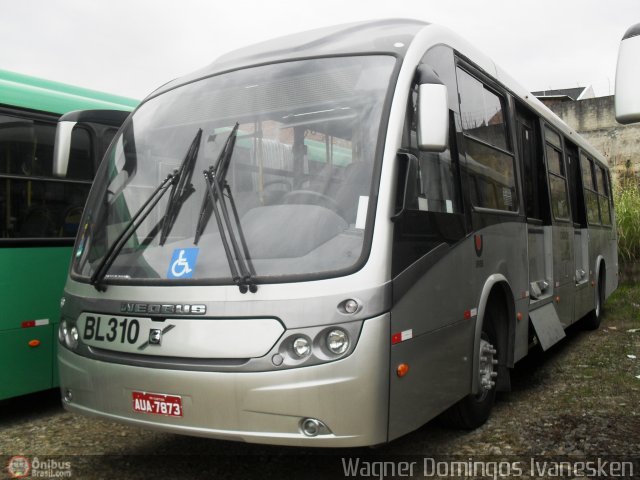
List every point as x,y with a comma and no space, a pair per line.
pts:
180,267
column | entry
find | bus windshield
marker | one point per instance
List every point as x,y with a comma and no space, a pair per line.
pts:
297,184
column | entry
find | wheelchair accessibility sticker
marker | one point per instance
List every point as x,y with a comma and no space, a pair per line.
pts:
182,263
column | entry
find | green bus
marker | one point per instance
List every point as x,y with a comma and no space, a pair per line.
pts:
39,216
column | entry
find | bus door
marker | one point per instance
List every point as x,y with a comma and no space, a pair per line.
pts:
562,237
536,206
580,232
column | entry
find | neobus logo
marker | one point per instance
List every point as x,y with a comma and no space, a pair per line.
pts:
163,309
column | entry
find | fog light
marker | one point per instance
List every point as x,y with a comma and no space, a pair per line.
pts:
301,347
311,427
337,341
68,395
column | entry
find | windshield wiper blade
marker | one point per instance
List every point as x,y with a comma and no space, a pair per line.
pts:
215,180
225,153
133,224
181,188
242,274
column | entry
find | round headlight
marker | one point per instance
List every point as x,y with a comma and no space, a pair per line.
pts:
72,337
301,347
62,331
337,341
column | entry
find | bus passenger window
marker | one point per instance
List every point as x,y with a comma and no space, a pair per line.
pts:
591,197
33,203
489,163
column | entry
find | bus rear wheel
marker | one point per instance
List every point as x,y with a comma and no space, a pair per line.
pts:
594,317
474,409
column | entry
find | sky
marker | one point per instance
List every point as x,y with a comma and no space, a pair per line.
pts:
130,47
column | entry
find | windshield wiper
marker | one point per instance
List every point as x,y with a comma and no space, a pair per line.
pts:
129,229
178,180
225,153
182,187
217,185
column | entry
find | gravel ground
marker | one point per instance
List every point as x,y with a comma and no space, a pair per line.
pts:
580,400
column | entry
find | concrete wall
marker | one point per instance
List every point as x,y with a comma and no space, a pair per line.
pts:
595,120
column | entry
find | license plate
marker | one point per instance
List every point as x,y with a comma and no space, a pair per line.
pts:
157,404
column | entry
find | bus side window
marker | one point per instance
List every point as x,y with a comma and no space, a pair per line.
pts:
591,197
33,203
603,196
557,175
488,150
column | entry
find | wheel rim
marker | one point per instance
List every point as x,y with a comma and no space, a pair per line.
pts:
486,369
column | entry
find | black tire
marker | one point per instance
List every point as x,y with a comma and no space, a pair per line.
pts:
474,410
592,320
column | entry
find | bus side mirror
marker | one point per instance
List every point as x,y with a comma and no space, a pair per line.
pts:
433,111
627,99
100,123
62,148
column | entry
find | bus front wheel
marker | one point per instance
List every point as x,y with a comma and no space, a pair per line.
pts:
474,409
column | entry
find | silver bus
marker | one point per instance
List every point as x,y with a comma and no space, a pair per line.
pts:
330,238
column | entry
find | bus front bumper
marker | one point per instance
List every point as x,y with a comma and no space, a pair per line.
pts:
349,396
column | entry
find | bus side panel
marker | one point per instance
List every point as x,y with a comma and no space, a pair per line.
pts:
564,272
31,280
438,376
25,368
438,352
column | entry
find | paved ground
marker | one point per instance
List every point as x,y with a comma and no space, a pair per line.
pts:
580,400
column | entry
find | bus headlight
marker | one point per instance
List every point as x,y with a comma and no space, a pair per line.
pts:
337,341
314,345
62,331
301,347
68,334
72,338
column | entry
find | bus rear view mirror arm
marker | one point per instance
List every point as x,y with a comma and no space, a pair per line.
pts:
407,178
433,111
62,148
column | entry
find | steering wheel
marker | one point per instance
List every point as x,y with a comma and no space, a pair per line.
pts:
278,181
311,197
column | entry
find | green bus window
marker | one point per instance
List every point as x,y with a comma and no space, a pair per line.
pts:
26,146
40,208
